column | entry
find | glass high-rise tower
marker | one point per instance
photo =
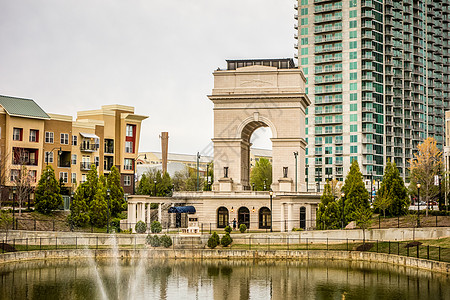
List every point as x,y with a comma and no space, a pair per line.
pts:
378,78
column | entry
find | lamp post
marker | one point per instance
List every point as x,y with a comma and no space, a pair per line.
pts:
371,186
14,205
296,155
343,206
154,181
207,177
418,205
271,213
48,153
253,185
198,178
108,196
264,188
135,171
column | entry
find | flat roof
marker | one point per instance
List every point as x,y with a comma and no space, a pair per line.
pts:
279,63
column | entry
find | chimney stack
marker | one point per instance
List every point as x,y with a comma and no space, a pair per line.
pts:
164,150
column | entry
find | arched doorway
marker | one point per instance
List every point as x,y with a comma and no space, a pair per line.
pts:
244,216
222,217
264,218
303,217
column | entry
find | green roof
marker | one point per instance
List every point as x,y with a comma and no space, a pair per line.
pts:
20,107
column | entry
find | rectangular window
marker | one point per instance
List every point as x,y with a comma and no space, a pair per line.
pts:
65,138
304,21
14,174
74,159
328,150
353,76
353,118
48,157
74,178
353,14
34,135
304,51
353,45
353,24
304,11
130,130
353,97
304,31
64,177
328,140
127,180
128,164
328,160
74,140
353,107
49,137
353,128
304,61
17,134
304,2
33,175
353,34
128,147
353,55
353,139
96,161
354,65
353,86
304,41
305,71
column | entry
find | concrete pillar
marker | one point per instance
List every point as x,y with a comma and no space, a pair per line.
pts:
282,218
308,216
131,213
143,212
148,214
290,216
160,212
172,218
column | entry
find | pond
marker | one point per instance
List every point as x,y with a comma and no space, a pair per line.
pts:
217,279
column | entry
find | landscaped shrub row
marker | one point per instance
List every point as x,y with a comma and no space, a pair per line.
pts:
156,241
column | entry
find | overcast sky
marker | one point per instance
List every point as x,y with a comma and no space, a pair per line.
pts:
155,55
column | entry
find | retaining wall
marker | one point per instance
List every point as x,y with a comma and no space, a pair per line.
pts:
231,254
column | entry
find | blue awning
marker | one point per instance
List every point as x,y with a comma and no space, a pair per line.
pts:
182,209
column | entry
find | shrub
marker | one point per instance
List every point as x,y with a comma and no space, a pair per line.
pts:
115,224
141,227
213,240
155,227
228,229
166,241
153,240
226,240
242,228
127,231
297,229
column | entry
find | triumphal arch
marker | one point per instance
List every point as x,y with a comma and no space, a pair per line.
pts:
247,95
251,94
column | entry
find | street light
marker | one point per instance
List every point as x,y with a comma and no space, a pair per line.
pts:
154,181
48,153
371,186
271,213
296,155
135,171
343,206
418,205
198,179
108,194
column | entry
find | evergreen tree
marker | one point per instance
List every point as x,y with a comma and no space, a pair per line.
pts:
91,184
115,192
163,187
47,194
79,210
328,214
355,194
98,210
144,187
394,188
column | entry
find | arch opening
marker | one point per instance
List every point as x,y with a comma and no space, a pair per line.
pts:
265,217
222,217
244,216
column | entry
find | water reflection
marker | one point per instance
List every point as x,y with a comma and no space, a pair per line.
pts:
219,279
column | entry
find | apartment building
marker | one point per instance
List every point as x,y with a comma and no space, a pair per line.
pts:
32,138
378,78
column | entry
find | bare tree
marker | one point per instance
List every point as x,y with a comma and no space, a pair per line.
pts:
4,173
21,178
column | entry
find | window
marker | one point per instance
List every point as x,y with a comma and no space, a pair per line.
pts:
304,51
353,34
353,97
48,157
17,134
353,149
65,138
130,130
33,175
34,135
304,31
353,118
352,3
14,174
74,178
304,21
328,160
96,161
49,137
353,107
353,55
63,176
128,164
353,65
353,139
353,128
304,41
127,180
353,14
353,86
304,11
83,178
353,24
353,45
304,61
304,2
74,159
354,76
352,158
128,147
74,140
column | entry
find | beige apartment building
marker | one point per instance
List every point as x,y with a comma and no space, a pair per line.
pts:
32,138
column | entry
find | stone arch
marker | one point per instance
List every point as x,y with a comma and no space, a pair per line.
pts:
250,124
244,216
264,216
222,217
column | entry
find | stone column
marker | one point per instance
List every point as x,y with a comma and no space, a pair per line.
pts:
131,213
290,216
160,212
282,218
148,214
172,218
308,217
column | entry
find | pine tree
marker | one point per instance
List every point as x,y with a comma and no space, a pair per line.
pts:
144,187
47,194
356,195
115,192
328,214
79,210
99,206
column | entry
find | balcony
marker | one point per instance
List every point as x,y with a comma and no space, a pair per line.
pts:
85,166
88,147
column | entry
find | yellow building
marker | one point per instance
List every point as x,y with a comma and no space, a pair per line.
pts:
31,138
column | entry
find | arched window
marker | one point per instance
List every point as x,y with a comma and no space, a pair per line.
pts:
264,218
222,217
303,217
244,216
